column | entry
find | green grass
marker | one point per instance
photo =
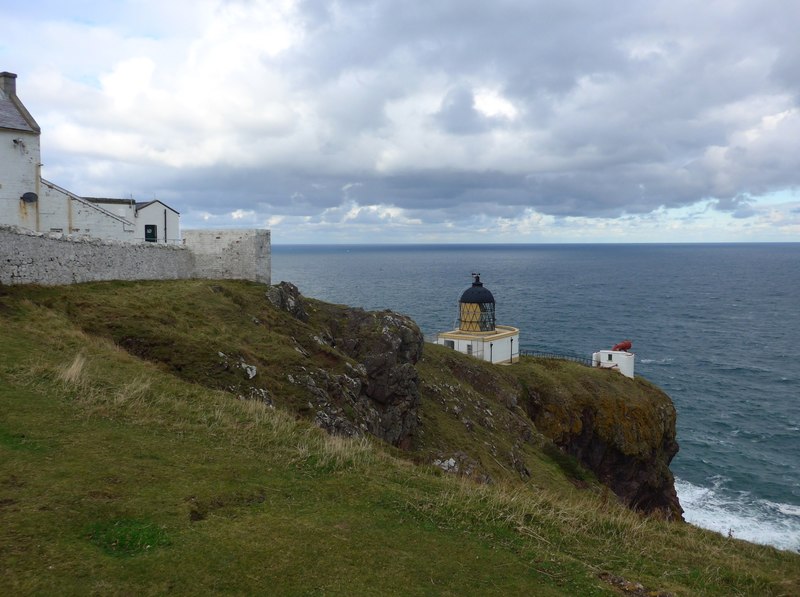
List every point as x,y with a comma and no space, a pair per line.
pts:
121,473
126,537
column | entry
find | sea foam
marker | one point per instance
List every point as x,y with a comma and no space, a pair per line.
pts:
740,515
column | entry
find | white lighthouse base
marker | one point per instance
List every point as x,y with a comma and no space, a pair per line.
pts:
499,346
615,359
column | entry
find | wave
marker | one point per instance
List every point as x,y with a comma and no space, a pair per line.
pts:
664,361
739,515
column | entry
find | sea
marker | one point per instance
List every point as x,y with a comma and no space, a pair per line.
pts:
716,326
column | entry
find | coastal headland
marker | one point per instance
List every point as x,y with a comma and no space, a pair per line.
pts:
180,435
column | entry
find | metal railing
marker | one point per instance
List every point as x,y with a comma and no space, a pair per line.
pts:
554,355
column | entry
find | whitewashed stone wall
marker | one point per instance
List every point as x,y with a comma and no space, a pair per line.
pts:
36,258
231,254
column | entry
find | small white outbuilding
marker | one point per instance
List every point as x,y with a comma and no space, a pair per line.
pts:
620,360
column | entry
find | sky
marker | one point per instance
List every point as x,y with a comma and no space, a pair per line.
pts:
450,121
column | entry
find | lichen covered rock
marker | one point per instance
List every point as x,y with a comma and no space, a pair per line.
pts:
621,429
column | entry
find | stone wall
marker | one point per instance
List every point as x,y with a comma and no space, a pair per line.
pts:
231,254
36,258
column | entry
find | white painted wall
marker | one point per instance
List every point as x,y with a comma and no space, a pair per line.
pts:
501,350
63,212
56,209
125,210
493,351
157,214
19,174
615,359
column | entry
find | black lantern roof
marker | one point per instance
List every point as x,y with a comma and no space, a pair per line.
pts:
476,293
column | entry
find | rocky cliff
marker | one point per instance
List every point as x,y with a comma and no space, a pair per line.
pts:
621,430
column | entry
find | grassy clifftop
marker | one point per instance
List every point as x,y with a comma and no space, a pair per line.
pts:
158,437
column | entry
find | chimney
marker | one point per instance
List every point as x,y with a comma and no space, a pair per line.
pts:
8,83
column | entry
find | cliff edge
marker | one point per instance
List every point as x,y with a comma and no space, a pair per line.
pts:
621,429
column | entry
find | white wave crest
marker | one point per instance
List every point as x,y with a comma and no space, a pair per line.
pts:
664,361
741,516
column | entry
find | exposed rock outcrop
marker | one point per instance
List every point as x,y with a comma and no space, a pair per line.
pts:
287,296
387,346
380,395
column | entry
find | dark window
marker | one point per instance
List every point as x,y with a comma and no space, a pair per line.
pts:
450,344
151,233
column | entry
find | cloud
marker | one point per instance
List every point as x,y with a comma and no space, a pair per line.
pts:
459,115
521,116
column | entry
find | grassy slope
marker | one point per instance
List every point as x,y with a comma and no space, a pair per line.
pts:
103,454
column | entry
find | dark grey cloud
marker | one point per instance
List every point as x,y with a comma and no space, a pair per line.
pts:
623,102
458,115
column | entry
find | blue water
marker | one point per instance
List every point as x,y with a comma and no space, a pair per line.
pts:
716,326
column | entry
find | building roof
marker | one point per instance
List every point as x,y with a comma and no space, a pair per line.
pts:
143,204
110,201
476,293
13,114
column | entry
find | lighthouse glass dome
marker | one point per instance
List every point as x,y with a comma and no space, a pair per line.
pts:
476,308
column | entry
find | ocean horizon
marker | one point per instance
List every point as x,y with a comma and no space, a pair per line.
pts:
713,324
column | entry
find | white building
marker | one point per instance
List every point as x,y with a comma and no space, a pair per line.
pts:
28,201
157,222
621,360
478,334
20,161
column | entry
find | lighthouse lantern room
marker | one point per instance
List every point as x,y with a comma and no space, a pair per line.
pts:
478,334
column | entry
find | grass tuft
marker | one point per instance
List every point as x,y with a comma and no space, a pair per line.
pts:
73,373
339,453
133,392
127,537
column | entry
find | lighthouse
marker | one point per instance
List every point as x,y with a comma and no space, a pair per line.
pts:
478,334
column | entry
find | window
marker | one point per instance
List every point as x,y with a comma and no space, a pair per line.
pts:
450,344
151,233
610,357
469,349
